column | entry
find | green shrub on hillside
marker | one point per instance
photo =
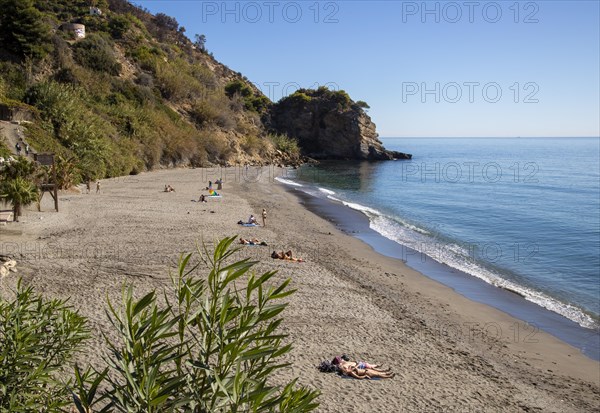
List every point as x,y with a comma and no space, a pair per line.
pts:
237,87
119,25
362,104
257,103
5,151
204,113
285,144
89,136
299,98
96,52
14,80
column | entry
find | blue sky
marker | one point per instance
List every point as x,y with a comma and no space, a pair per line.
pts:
427,69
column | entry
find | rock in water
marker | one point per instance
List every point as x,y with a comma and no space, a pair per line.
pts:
329,125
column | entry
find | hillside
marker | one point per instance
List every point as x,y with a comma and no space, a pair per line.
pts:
134,94
117,90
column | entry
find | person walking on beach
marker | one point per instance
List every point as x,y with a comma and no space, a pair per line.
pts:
18,148
88,187
264,217
98,187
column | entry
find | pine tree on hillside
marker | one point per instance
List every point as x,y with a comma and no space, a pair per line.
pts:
22,30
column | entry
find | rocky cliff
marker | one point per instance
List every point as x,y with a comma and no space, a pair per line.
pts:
328,124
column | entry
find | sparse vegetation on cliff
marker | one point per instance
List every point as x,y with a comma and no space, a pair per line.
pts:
135,93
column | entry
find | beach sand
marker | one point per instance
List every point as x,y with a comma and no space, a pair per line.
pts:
449,354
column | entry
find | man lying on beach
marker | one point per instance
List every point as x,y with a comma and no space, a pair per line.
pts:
252,241
287,256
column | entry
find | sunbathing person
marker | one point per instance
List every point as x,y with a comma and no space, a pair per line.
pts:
344,362
252,241
252,220
285,256
352,371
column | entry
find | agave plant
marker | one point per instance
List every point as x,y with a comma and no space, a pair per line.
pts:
19,192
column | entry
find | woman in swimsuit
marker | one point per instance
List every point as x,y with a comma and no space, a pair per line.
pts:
344,363
357,373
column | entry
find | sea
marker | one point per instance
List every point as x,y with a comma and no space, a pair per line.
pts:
511,222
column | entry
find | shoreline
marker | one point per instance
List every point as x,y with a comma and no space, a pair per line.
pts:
349,299
356,224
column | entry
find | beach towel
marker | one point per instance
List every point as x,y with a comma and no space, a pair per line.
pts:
343,376
212,192
245,224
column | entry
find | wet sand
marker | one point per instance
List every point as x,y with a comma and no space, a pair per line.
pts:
449,353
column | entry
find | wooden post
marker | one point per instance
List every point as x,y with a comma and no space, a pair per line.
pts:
55,184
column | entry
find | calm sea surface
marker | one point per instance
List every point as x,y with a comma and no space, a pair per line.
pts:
519,213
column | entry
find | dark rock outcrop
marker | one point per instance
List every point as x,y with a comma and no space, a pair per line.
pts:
329,125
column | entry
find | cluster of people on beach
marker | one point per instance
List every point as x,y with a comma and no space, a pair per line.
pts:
251,221
169,188
355,369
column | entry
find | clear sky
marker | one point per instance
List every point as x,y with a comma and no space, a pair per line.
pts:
427,69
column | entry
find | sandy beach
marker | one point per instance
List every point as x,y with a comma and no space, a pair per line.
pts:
449,354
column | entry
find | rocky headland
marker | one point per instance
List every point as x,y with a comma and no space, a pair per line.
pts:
329,125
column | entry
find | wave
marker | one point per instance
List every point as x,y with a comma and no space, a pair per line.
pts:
326,191
287,181
462,258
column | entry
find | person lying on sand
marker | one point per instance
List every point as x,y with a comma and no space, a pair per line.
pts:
252,241
364,373
169,188
202,198
356,369
287,256
344,361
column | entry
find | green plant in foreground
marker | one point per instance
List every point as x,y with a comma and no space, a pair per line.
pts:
38,338
214,348
210,346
